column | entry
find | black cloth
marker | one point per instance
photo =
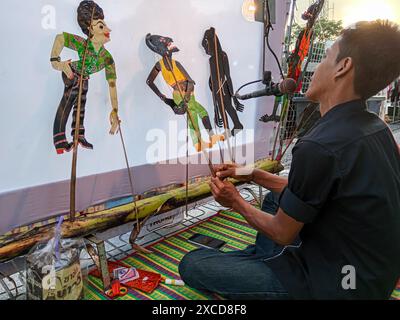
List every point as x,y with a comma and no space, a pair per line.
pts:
344,185
68,101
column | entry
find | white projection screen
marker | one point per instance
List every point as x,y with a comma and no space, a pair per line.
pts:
34,180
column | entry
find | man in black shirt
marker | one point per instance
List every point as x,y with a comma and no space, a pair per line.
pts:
342,197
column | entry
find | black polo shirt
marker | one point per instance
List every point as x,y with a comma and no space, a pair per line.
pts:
344,185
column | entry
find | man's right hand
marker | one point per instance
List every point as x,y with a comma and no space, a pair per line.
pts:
65,67
245,174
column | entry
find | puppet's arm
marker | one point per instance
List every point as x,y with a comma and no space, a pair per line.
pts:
225,60
114,119
63,66
150,82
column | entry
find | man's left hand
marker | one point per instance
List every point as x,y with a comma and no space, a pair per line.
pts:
114,121
224,192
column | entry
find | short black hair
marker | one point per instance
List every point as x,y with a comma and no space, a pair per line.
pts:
85,12
374,47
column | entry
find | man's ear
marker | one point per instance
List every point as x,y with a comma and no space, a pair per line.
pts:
344,66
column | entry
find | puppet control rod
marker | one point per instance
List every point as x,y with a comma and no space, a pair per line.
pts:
75,144
210,166
76,133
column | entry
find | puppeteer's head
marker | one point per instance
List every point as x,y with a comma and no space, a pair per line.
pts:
91,21
364,59
161,45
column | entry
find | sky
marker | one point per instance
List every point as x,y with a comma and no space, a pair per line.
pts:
350,11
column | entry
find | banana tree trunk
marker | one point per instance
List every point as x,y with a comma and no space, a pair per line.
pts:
19,244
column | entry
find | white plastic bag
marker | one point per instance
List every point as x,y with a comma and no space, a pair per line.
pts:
54,270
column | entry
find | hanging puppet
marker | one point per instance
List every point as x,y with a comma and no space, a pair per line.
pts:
295,63
93,57
184,100
221,83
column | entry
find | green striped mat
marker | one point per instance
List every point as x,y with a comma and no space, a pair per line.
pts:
396,292
226,225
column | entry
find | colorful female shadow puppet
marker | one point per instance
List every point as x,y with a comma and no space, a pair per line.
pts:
93,57
183,95
221,83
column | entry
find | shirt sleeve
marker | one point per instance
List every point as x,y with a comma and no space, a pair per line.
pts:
110,69
313,178
72,41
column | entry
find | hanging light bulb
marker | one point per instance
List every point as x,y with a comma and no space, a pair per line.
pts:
249,9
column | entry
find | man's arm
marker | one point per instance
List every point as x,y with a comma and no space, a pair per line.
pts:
112,84
280,228
265,179
114,120
270,181
150,81
63,66
239,106
313,179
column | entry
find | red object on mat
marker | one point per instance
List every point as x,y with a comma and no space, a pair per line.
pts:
111,266
116,290
147,281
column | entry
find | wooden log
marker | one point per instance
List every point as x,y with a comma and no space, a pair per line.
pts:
16,245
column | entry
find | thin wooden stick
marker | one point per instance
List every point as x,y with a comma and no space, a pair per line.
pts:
302,123
130,176
72,194
222,99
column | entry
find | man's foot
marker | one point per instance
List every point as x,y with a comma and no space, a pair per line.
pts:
236,130
215,138
84,143
63,146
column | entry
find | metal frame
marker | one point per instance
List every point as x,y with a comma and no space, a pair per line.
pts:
102,256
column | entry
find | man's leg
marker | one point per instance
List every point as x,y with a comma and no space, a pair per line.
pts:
203,114
233,275
64,109
81,134
194,129
237,125
239,274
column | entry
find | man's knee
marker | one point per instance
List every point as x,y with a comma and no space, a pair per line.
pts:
270,203
191,267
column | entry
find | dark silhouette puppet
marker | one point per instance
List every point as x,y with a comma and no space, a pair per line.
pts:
221,83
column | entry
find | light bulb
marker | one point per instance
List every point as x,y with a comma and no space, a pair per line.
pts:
249,9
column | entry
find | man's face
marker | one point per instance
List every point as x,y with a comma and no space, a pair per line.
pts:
100,31
324,76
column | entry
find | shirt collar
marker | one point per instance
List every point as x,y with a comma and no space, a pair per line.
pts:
92,49
345,109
